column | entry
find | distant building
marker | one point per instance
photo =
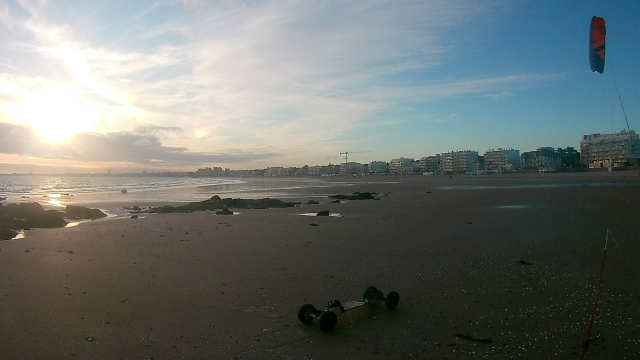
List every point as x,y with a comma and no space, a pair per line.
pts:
315,170
431,163
544,159
324,170
209,172
276,171
502,159
353,168
401,165
460,161
610,150
378,167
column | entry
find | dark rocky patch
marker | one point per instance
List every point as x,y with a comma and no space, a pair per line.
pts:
46,219
81,212
216,203
336,201
133,209
355,196
323,213
7,234
224,211
312,202
14,217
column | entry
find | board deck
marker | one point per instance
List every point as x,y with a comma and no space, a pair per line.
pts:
349,305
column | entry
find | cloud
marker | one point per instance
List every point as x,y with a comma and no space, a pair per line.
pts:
500,95
191,2
150,129
285,76
442,119
115,147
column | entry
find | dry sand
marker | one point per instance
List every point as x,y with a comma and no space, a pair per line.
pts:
201,286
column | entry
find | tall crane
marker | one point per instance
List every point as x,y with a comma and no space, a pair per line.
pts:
346,155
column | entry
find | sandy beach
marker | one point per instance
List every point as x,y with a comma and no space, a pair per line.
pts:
513,260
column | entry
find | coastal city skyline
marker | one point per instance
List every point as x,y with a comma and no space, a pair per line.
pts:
91,86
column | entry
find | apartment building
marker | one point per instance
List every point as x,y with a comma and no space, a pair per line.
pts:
610,150
324,170
545,159
378,167
353,168
460,161
401,165
502,159
431,163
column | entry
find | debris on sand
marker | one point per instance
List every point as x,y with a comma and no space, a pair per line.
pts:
522,262
355,196
323,213
312,202
471,338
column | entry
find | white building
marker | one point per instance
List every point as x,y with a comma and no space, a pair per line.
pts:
610,150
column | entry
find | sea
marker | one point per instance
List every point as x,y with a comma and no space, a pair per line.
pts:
61,190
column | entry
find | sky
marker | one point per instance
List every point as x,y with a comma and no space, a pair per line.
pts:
177,85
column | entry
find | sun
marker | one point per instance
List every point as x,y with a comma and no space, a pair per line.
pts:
57,114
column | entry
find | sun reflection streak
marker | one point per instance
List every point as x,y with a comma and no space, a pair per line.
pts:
54,200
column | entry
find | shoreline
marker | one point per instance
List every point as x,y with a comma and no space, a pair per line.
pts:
113,203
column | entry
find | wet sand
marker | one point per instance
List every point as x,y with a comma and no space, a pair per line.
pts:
205,286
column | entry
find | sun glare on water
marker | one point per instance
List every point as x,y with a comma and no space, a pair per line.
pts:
57,114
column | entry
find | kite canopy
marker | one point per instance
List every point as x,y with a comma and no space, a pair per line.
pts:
597,36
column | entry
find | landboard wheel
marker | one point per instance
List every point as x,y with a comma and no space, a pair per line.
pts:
392,300
370,290
328,320
306,313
